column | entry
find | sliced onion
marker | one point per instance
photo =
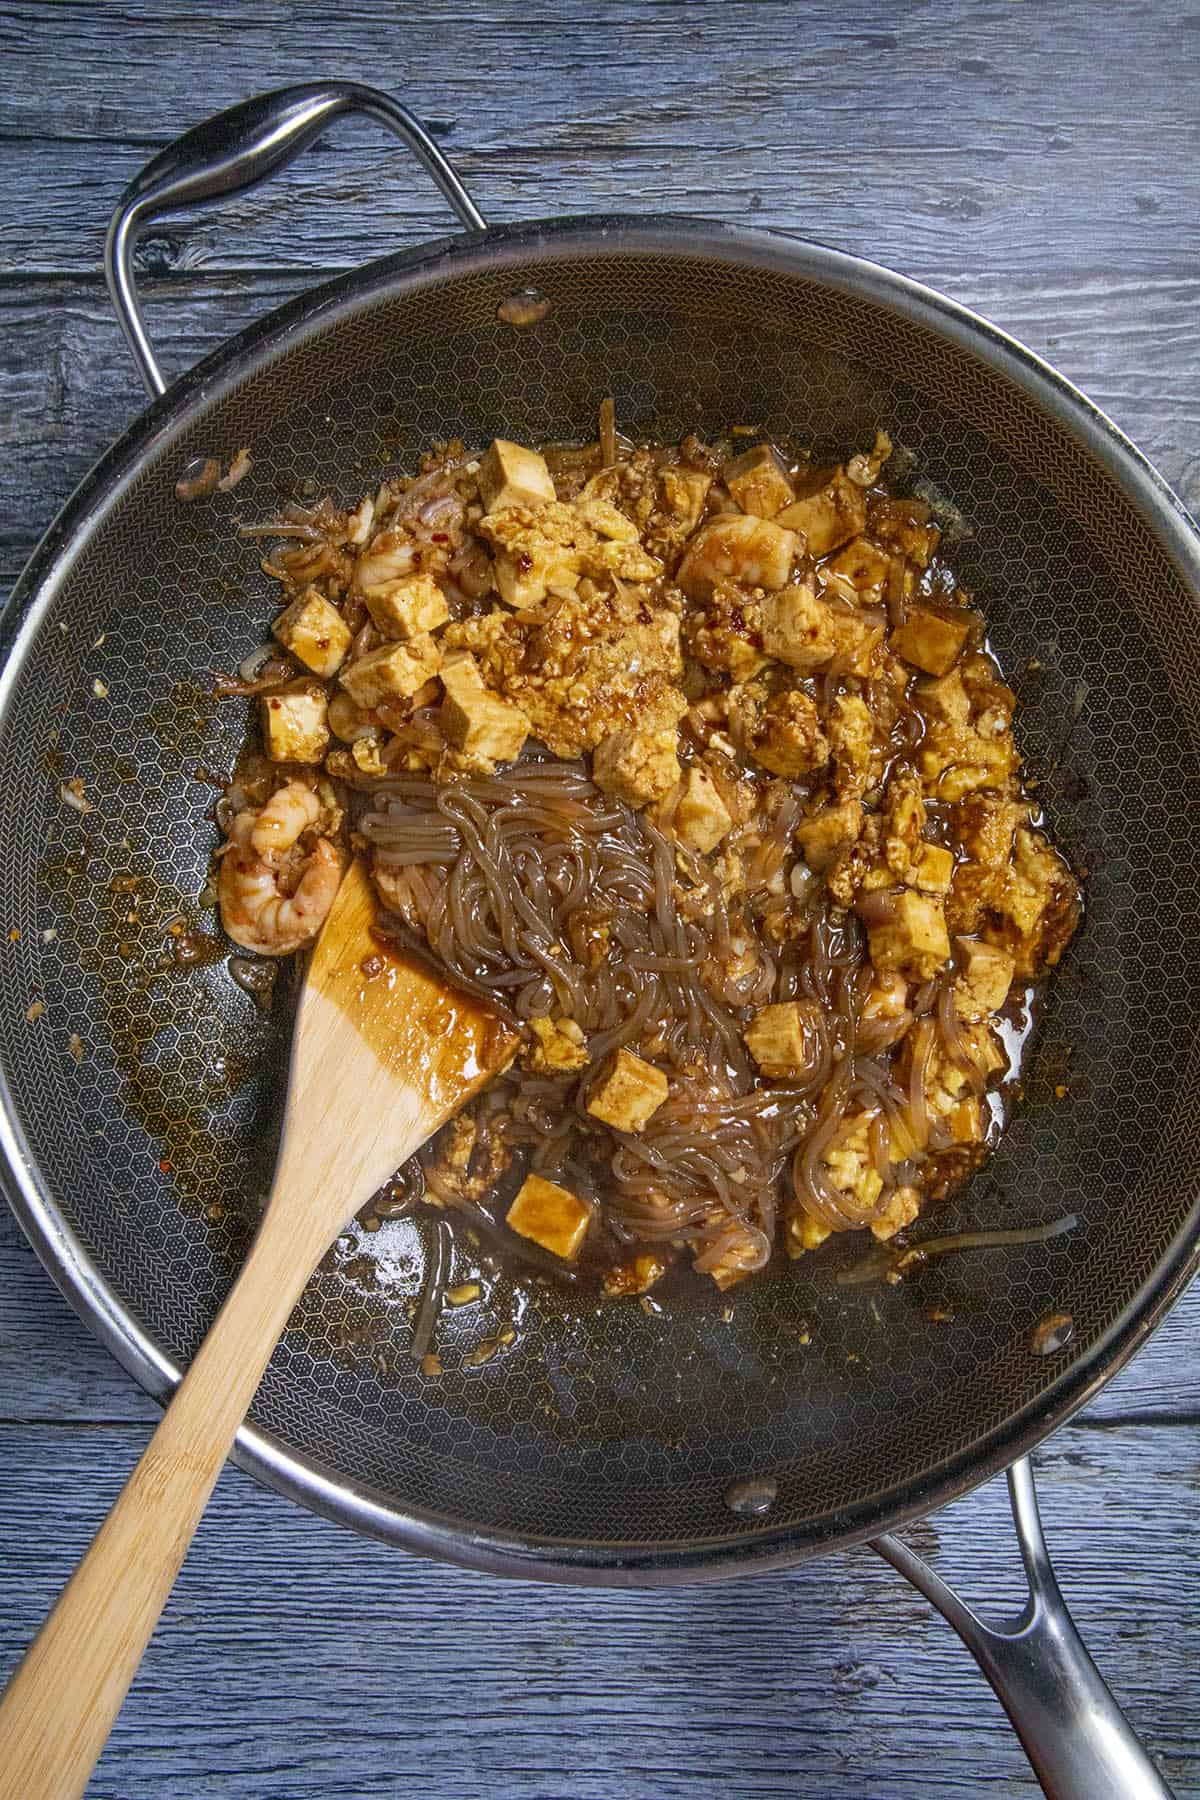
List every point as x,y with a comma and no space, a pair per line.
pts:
877,908
251,667
238,468
444,509
274,671
199,479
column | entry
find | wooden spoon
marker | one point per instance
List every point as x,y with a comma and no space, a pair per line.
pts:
383,1055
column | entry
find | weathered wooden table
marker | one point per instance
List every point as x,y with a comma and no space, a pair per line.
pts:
1039,162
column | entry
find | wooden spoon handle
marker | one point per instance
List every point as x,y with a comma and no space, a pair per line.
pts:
63,1698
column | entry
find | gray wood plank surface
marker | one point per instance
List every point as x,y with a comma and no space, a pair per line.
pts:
294,1662
1038,162
929,132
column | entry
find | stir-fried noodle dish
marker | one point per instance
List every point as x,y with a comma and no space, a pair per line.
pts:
691,759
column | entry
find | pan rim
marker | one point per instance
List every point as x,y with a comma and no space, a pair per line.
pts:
754,1548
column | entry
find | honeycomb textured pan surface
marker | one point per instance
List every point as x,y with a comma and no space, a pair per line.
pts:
149,1098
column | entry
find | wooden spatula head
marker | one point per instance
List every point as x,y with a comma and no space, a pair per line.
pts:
383,1054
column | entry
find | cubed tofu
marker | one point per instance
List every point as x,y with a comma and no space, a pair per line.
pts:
540,549
684,493
628,1092
473,719
1038,880
904,819
393,555
985,1048
781,1038
858,572
559,1047
910,936
315,632
860,870
727,634
991,700
964,1122
955,761
510,475
393,672
636,767
828,833
551,1216
959,1112
404,609
985,975
933,869
756,553
621,559
931,640
1036,861
798,629
294,725
944,699
977,895
988,1052
829,510
702,818
865,468
857,756
759,482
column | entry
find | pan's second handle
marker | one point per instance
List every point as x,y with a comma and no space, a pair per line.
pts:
1075,1735
235,150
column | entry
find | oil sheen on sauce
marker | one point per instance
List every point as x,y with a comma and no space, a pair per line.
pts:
422,1032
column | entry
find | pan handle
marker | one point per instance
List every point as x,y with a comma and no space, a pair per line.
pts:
1075,1735
235,150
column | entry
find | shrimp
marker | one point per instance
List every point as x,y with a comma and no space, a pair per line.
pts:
736,547
255,911
290,811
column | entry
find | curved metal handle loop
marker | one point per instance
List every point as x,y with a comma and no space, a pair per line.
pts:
235,150
1075,1735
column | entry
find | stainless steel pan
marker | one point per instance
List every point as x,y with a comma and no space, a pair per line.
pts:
138,1113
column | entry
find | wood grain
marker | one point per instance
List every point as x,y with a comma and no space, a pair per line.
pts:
65,1693
932,132
295,1661
379,1062
1038,162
